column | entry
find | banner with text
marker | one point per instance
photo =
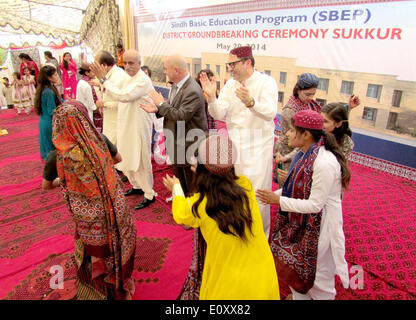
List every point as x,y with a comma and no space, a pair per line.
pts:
358,47
367,37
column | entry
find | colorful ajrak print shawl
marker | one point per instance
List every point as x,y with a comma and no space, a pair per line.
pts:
295,236
105,229
193,281
296,105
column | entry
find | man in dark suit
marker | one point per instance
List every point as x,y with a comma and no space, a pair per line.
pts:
184,111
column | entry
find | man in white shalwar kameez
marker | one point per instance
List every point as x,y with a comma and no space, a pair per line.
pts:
134,126
248,104
115,76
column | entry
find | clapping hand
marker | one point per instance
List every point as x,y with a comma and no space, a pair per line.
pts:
169,182
156,97
282,174
209,86
280,159
149,106
267,197
243,94
98,70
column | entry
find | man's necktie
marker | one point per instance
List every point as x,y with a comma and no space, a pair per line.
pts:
173,92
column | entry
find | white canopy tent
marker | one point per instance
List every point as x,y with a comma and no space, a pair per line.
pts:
35,26
40,22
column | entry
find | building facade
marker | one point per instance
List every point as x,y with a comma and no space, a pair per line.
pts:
388,105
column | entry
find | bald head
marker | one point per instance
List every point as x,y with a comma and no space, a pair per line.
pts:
177,61
131,55
175,67
132,62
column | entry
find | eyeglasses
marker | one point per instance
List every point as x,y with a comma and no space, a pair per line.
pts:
232,64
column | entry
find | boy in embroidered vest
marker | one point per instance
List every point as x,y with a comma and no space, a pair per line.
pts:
307,240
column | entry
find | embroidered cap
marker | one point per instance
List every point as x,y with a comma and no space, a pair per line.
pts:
309,119
217,153
307,80
242,52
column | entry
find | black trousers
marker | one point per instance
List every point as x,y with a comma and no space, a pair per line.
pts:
185,176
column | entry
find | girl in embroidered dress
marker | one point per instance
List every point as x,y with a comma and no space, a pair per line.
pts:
69,76
307,240
27,62
336,122
29,82
238,262
20,94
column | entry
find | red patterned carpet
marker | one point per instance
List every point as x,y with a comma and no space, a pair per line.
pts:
36,231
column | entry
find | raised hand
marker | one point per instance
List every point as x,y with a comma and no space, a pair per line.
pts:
353,102
98,70
209,86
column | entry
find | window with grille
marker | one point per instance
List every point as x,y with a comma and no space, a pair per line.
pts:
369,114
347,87
374,91
280,96
197,68
323,84
392,121
397,97
283,76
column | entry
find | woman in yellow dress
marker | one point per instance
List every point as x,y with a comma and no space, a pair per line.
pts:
239,264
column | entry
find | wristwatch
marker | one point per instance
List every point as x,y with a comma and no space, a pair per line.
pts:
102,80
251,103
159,105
